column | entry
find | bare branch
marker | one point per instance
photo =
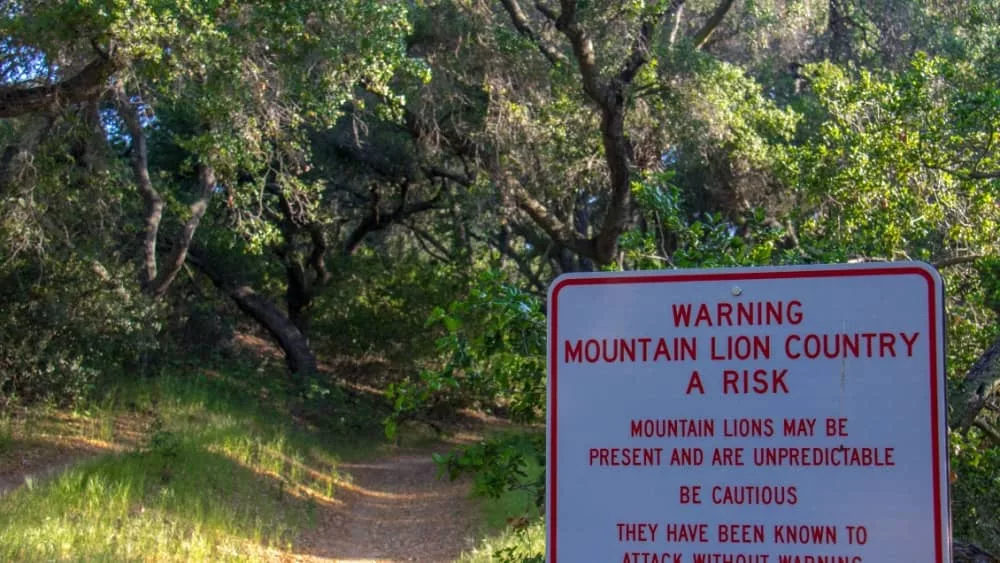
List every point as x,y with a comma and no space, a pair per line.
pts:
561,233
521,261
965,174
701,37
979,174
424,239
546,11
677,16
377,220
639,54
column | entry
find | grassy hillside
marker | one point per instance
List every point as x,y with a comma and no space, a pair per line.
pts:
207,465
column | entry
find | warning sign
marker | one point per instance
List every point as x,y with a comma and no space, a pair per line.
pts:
764,415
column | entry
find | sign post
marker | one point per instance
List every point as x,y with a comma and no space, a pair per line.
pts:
761,415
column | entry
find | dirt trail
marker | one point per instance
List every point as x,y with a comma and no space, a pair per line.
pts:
394,509
44,448
39,464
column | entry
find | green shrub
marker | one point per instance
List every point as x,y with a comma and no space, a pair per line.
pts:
67,323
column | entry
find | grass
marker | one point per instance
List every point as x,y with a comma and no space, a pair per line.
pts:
221,471
512,545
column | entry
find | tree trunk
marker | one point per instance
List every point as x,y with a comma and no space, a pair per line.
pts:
298,296
970,553
298,355
840,49
155,280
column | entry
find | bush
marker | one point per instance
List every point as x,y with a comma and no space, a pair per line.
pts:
492,354
378,308
65,324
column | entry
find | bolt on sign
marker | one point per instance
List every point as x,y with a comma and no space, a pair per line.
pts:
761,415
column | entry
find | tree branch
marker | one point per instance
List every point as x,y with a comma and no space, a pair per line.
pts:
90,82
167,274
611,99
583,50
675,27
546,11
139,158
317,258
956,261
639,54
376,220
293,342
424,238
523,27
991,433
965,174
561,233
701,37
980,383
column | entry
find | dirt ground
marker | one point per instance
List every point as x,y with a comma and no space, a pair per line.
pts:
394,509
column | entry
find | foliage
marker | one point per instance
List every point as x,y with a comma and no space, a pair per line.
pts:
524,543
501,464
892,173
68,325
975,500
493,352
379,306
673,237
509,473
881,176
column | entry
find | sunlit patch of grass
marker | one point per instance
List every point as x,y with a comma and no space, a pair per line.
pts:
216,470
514,544
97,428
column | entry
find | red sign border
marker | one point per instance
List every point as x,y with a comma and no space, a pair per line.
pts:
910,268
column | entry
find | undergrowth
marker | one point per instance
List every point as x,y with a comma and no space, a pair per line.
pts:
514,544
515,525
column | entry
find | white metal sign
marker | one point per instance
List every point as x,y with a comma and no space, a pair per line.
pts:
763,415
